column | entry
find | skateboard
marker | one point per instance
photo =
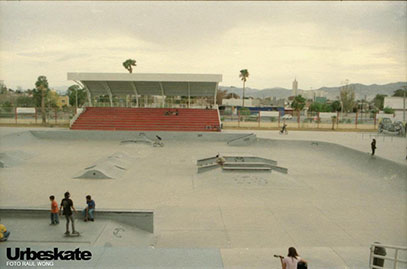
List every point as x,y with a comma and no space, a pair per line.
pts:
72,235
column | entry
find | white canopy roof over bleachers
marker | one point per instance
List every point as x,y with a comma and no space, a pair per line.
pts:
120,84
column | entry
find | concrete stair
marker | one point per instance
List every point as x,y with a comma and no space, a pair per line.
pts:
147,119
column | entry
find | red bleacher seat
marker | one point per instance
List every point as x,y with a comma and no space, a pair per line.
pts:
147,119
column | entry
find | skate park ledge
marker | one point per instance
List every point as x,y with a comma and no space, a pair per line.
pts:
142,219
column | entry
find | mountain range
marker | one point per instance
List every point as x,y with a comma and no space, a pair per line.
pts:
367,92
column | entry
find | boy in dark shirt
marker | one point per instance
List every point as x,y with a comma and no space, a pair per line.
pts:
66,205
373,146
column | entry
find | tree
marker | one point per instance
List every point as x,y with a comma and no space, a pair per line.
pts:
315,107
336,106
42,86
298,103
320,107
128,65
244,74
347,96
77,95
7,106
388,110
378,101
3,89
25,101
401,92
52,99
244,111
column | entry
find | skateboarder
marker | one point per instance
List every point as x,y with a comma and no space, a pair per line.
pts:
66,208
220,160
373,146
293,260
284,129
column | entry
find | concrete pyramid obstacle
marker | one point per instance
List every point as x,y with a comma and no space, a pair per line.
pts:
13,158
141,139
111,167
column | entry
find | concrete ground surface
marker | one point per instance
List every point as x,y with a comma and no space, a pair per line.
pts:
333,203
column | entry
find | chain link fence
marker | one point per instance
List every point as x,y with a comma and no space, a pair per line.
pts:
33,115
311,120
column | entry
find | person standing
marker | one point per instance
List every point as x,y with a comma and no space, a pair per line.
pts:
292,260
90,209
66,208
54,210
373,146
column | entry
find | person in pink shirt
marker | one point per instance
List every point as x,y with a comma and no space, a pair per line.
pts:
292,260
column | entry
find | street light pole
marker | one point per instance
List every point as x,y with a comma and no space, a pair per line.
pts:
404,106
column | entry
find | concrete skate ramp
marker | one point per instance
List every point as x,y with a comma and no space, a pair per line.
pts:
111,167
142,219
17,139
130,135
243,140
141,139
356,159
13,158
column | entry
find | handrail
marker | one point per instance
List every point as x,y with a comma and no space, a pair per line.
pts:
395,259
72,121
219,119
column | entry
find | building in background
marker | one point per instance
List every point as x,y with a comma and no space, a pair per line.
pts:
295,87
63,101
398,104
249,102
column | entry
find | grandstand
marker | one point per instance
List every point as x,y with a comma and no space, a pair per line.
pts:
147,119
196,114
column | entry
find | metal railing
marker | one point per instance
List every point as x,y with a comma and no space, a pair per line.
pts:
79,111
380,259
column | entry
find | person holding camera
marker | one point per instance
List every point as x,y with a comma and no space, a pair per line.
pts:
293,260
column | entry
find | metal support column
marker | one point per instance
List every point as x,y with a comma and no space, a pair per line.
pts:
189,95
133,85
214,97
109,92
88,93
162,94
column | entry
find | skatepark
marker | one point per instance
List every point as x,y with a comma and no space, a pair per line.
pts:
155,210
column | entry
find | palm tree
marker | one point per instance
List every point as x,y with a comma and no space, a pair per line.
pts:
298,103
244,74
42,85
128,65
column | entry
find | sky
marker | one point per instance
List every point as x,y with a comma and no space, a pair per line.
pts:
318,43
